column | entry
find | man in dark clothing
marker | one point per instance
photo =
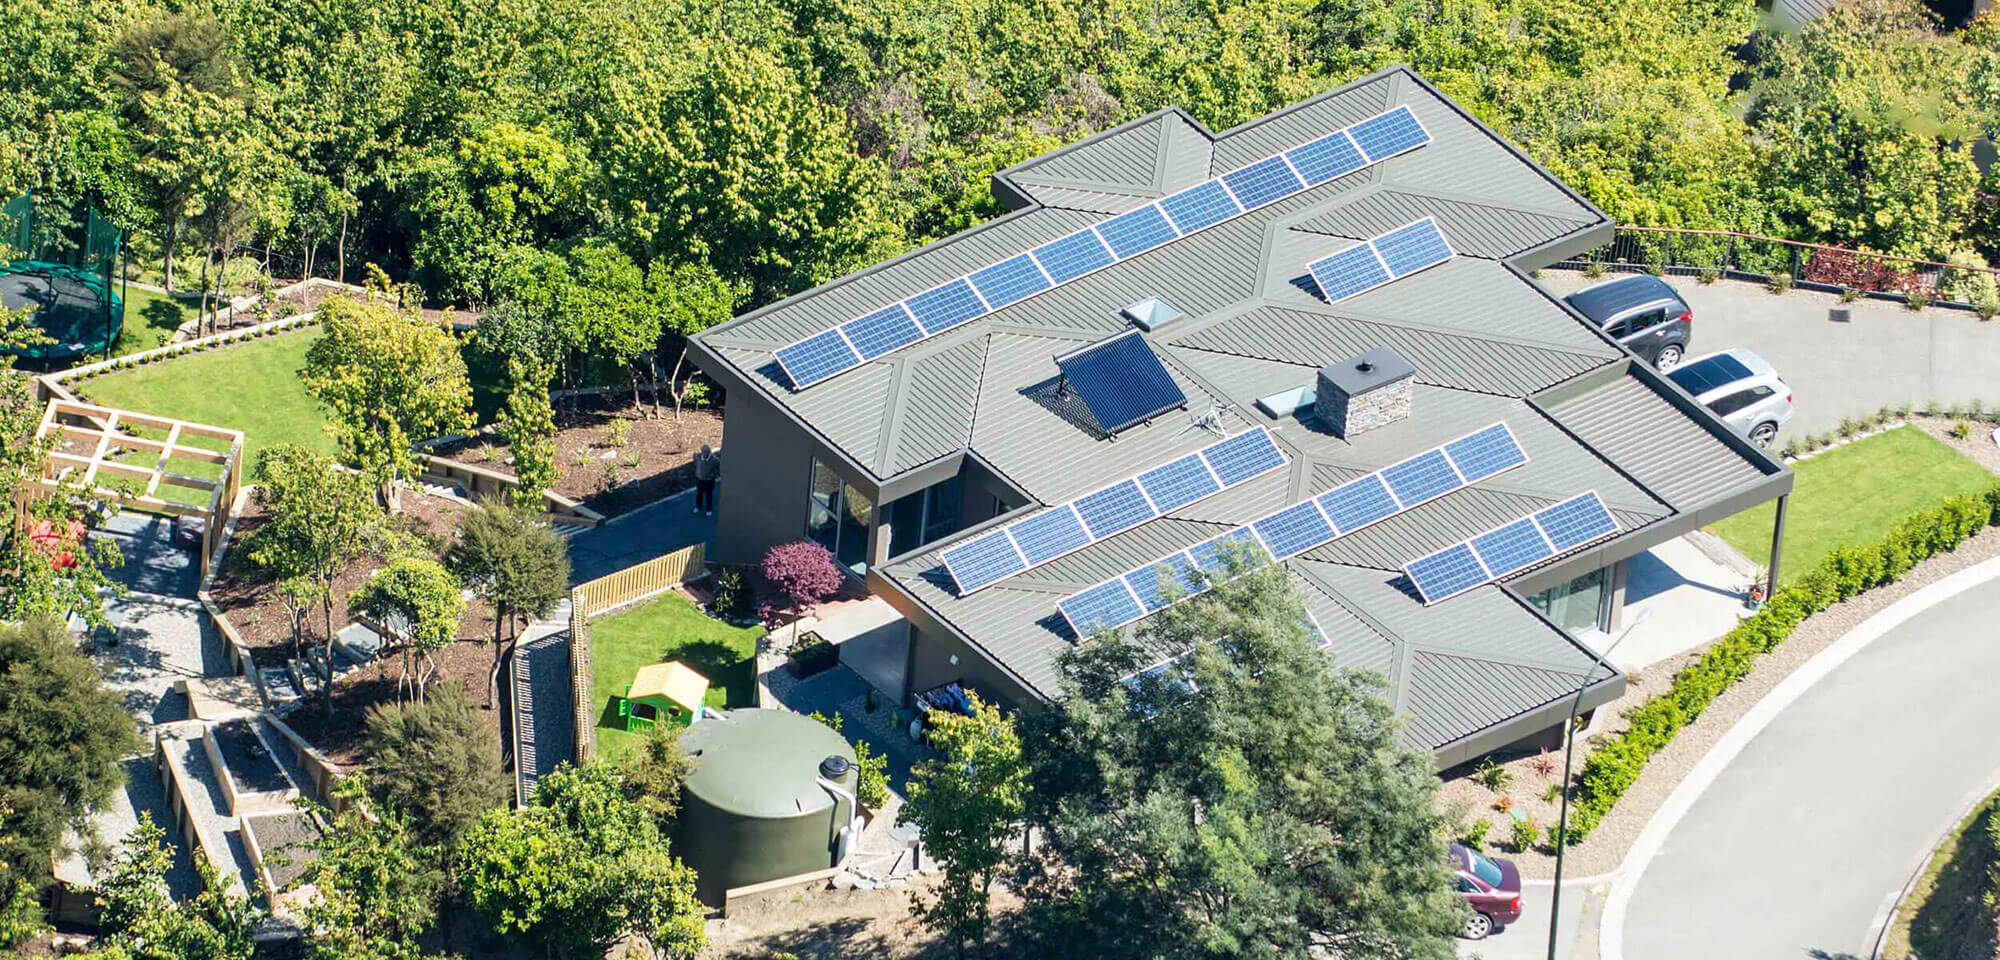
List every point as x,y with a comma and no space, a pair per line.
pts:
707,470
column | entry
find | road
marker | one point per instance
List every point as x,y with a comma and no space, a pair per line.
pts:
1528,938
1804,838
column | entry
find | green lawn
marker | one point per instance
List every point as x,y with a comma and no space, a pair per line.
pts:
669,628
150,318
253,387
1852,495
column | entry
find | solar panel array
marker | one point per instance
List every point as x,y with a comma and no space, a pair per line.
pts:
1066,528
1093,248
1358,269
1121,381
1282,534
1515,545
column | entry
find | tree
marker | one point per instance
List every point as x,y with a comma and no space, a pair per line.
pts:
605,308
375,886
320,519
655,775
417,603
514,560
387,381
967,804
691,297
139,917
801,574
1245,800
581,867
528,427
436,764
64,737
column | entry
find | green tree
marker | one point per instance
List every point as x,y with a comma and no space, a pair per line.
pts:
138,917
691,297
436,764
418,604
528,427
388,381
967,803
320,519
1247,799
516,562
376,887
654,776
605,308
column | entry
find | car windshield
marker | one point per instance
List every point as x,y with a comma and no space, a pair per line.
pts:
1486,870
1703,376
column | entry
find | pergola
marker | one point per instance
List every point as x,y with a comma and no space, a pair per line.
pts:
97,446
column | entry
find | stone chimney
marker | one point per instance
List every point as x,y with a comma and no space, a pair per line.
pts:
1359,394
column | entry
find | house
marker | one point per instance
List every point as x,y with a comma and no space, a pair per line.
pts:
1008,433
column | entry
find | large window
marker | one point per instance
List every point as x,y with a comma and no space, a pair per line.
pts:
936,512
1579,606
838,517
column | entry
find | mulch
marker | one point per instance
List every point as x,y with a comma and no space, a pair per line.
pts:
655,461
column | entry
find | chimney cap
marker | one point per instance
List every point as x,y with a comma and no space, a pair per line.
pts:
1370,371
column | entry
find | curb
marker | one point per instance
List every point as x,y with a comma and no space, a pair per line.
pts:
1879,927
1611,929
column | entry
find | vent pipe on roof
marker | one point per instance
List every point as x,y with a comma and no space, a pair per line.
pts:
1361,393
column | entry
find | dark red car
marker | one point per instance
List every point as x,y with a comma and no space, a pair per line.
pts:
1491,887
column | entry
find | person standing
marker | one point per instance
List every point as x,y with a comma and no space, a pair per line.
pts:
707,470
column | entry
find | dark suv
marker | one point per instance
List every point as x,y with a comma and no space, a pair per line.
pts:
1641,312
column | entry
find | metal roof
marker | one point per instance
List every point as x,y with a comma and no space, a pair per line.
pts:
1486,342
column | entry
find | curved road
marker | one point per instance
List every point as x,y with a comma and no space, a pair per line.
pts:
1796,848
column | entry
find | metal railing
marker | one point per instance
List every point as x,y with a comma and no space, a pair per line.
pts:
1750,256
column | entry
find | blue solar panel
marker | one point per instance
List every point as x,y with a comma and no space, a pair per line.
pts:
1262,182
1446,573
1425,476
987,560
816,358
1173,573
946,307
1358,503
1350,272
1136,232
1049,534
1576,521
1203,205
1100,608
1121,381
1009,281
1073,256
1511,547
1391,133
882,331
1328,157
1488,452
1212,555
1243,456
1117,507
1179,483
1412,248
1294,530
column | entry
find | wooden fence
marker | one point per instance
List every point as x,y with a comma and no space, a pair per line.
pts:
586,600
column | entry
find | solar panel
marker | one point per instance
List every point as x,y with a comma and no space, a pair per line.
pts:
1262,182
1121,381
884,330
988,559
1358,503
1426,476
1133,233
1349,273
1446,573
1576,521
1333,155
1293,530
1243,456
945,307
1049,534
1113,509
1073,256
1099,608
1212,555
1175,485
1388,134
1174,572
1203,205
1010,281
1512,547
816,358
1411,248
1486,453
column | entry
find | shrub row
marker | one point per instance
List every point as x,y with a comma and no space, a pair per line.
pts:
1846,572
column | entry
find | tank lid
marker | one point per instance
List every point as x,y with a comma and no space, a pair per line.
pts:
834,767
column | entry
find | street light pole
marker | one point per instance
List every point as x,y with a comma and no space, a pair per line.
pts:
1569,753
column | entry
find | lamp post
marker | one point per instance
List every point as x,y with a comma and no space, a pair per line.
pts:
1569,753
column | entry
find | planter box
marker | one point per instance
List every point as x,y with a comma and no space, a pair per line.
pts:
813,655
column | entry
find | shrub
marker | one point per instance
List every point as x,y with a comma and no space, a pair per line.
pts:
1554,793
1708,275
1526,834
1970,285
1780,282
1474,834
800,574
1594,269
1543,763
1492,774
731,600
1850,294
1504,804
1916,300
1987,308
1962,430
871,776
610,477
620,433
1657,269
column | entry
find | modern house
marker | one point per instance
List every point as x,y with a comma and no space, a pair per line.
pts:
1314,334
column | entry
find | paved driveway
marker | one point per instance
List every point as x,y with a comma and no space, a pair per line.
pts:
1798,845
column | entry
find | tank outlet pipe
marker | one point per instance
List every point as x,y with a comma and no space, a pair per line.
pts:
850,833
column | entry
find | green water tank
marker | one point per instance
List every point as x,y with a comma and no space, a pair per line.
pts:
755,807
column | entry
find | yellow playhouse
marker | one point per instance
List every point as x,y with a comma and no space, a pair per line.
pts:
659,693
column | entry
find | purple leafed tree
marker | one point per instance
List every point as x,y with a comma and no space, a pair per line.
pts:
801,574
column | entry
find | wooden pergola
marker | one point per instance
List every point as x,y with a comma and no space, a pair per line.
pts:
98,446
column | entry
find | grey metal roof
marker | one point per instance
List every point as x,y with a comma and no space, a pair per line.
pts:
1483,338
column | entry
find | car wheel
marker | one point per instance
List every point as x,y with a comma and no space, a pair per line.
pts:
1763,433
1669,358
1477,926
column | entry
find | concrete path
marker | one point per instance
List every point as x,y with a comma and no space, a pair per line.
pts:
1802,840
1884,356
653,530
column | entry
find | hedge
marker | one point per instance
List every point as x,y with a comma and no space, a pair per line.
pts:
1844,573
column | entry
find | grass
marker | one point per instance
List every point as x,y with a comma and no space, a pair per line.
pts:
150,318
1944,914
1854,494
669,628
253,387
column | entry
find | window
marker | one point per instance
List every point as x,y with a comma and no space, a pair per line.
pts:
1724,406
1466,886
1579,605
1648,320
1617,329
838,517
926,516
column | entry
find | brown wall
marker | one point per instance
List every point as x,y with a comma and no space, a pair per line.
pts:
930,666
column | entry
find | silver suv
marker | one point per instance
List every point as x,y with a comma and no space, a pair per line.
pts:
1641,312
1742,389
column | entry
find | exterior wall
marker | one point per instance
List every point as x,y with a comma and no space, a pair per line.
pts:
766,472
1349,416
930,665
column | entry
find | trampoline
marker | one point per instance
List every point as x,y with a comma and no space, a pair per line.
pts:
64,276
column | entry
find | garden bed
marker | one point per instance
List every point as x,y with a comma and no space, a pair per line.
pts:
1948,911
655,461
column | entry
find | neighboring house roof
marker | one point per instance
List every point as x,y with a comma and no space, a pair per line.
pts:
1487,345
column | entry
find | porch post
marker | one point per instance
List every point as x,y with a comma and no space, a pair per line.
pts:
1777,548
